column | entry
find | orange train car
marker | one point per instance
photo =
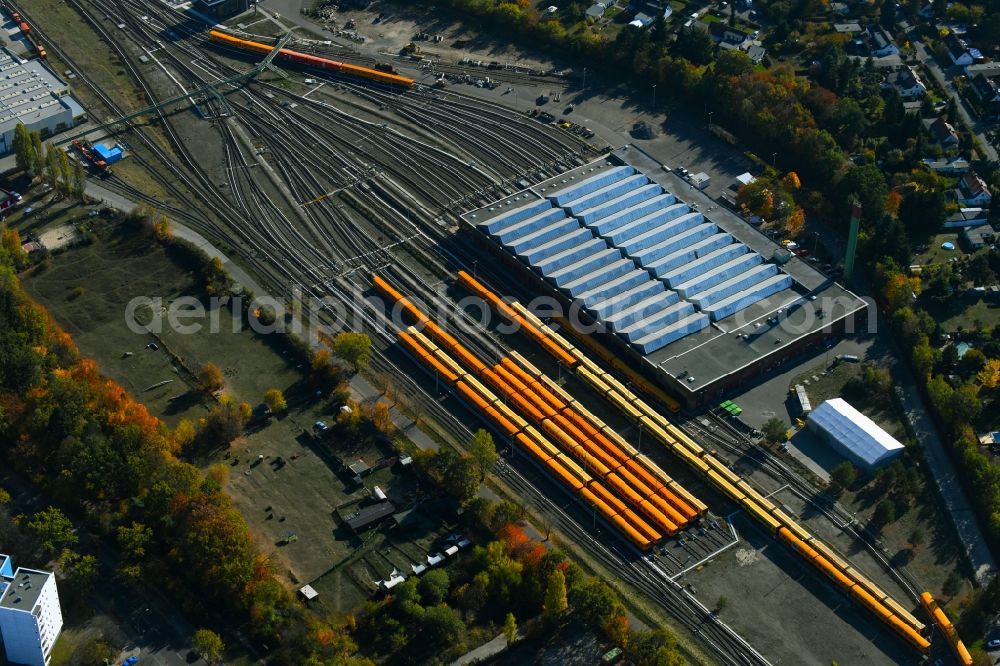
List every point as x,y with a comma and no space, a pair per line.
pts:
947,628
315,62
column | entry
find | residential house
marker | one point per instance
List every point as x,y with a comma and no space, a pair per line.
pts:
596,10
960,52
880,42
756,53
642,20
727,36
988,93
973,191
840,8
942,132
967,217
847,28
975,238
906,82
990,69
949,165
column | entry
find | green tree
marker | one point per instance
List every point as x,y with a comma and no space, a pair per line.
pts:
885,512
483,452
775,430
441,625
96,652
51,167
53,529
4,497
594,602
275,400
23,149
37,153
510,629
79,180
844,475
952,584
80,572
654,647
695,45
867,185
355,348
556,602
133,539
721,604
208,645
916,538
434,587
65,171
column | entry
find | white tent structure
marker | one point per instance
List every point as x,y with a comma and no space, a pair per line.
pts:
852,434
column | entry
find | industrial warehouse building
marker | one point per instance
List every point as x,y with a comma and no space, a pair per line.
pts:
695,301
31,94
853,435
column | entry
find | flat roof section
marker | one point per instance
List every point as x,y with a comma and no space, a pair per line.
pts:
857,435
29,92
24,589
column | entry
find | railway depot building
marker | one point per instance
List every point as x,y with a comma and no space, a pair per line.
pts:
697,301
31,94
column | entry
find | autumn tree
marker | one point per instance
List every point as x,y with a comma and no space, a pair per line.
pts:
989,376
275,400
210,378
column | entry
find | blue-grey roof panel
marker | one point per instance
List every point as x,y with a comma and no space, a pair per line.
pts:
620,286
744,299
588,264
658,320
647,251
590,184
625,317
605,194
610,222
514,215
540,237
733,285
661,242
550,248
658,339
641,288
598,277
704,264
529,225
618,204
652,221
569,256
719,274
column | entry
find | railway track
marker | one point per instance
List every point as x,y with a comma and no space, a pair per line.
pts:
298,248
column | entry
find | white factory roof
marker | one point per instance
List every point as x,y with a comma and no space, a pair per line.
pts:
857,434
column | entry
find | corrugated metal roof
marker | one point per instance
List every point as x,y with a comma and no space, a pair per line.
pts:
854,431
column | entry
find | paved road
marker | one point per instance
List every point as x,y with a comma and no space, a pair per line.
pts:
483,652
944,79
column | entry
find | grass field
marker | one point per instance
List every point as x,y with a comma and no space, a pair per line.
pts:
87,289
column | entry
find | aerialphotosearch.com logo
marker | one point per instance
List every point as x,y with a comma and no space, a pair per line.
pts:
310,317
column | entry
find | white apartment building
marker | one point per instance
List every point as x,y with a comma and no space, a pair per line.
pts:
30,616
